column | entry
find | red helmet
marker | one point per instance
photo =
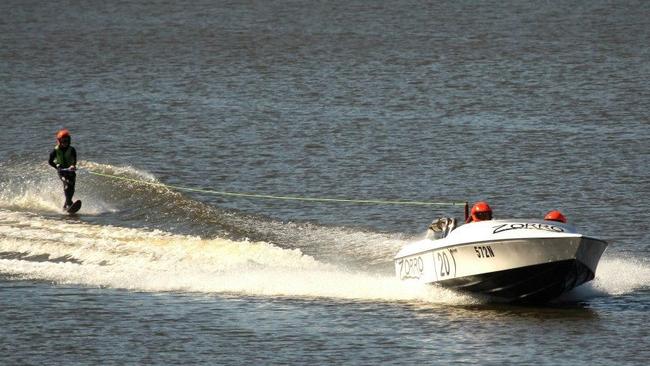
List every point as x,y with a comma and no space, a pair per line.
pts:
481,211
555,215
62,134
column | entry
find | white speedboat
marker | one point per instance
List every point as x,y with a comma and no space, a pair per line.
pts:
514,260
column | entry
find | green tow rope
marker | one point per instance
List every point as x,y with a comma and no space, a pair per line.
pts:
285,198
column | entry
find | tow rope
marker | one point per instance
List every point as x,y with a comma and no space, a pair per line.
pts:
273,197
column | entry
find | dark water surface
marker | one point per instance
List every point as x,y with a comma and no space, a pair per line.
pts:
530,106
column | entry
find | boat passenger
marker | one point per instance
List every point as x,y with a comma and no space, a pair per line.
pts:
555,215
481,211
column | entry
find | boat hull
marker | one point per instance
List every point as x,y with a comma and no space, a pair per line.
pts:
536,283
514,270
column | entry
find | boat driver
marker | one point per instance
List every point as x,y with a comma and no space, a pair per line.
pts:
481,211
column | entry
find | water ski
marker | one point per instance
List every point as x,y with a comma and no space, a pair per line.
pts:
74,207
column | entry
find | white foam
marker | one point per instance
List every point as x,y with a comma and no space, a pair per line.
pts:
37,195
153,260
38,189
147,260
622,275
614,276
125,170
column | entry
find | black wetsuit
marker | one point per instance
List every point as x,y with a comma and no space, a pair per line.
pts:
67,177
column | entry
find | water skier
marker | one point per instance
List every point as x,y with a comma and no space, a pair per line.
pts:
64,159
